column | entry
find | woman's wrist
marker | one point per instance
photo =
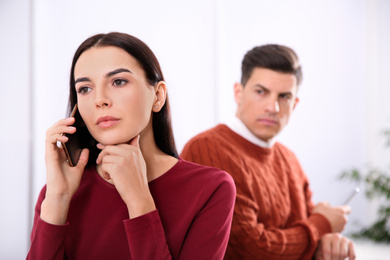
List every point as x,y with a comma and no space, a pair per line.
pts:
54,211
141,206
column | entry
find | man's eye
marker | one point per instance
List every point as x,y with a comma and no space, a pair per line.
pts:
285,98
84,90
119,82
259,91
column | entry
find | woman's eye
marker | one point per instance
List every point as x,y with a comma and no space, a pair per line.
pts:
119,82
84,90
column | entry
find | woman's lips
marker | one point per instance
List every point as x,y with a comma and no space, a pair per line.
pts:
107,121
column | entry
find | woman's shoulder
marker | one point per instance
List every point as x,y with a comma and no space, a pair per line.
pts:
185,172
203,173
210,180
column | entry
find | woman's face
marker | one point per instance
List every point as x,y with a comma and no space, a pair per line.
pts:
113,96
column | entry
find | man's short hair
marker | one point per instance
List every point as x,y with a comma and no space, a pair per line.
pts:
271,56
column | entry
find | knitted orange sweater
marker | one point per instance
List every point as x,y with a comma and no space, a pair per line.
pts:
272,217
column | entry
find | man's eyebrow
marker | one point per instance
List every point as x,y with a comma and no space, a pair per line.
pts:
109,74
286,93
261,86
267,90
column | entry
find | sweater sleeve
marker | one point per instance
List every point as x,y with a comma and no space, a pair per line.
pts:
47,240
146,237
250,238
209,233
207,237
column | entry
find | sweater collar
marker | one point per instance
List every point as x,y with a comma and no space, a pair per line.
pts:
237,126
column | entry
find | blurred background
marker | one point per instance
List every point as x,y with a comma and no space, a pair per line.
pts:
343,46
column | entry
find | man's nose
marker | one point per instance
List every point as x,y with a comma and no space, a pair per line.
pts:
272,105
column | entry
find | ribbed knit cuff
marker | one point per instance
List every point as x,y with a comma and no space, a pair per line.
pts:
319,225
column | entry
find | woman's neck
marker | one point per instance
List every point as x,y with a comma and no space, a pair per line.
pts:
157,162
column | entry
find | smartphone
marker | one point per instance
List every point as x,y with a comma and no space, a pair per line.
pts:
348,200
77,141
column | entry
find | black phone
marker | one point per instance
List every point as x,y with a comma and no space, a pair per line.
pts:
77,141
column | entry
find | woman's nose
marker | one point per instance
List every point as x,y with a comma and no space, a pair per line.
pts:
102,98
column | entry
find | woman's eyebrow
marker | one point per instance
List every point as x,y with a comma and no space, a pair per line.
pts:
84,79
109,74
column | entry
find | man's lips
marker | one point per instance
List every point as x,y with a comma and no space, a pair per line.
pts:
268,121
107,121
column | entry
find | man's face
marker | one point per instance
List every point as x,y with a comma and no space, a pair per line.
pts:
266,102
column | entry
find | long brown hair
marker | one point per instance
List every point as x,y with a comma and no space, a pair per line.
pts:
162,126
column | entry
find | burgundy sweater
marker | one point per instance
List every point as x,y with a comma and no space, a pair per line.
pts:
192,221
272,217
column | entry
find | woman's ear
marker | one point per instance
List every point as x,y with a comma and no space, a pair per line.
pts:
161,95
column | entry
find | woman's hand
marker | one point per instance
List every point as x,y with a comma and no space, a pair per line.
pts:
62,180
125,166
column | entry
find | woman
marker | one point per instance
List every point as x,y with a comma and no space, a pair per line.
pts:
130,196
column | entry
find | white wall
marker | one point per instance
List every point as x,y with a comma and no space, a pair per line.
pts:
14,128
377,90
200,44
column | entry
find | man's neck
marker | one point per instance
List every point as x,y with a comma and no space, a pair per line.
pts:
240,128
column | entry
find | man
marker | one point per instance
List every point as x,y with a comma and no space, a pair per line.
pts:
274,217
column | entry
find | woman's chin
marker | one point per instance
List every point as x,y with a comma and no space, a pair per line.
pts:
112,139
114,142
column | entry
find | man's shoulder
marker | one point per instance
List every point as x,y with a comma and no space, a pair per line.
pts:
280,146
283,147
210,134
206,146
285,152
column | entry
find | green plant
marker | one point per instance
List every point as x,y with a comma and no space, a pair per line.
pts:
377,185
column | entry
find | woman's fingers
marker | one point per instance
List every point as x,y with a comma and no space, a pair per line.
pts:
120,149
123,159
63,126
135,141
83,159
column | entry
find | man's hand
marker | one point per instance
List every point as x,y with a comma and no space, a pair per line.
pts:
334,246
337,216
